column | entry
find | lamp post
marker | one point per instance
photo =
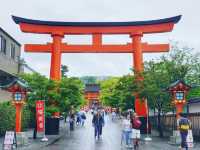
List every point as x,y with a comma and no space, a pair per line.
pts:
18,101
147,138
178,90
19,89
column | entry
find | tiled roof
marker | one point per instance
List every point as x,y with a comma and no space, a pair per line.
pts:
194,100
18,81
176,83
92,88
6,78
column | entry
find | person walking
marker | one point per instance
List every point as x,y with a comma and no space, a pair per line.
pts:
78,118
98,123
71,120
113,115
126,129
135,123
184,125
83,118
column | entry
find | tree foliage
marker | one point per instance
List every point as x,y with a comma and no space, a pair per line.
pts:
64,70
7,117
118,92
107,90
60,94
71,93
179,64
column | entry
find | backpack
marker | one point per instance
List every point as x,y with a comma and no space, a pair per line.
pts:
136,123
184,124
83,116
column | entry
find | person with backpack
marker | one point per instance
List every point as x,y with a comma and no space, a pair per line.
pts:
184,125
83,118
136,124
78,118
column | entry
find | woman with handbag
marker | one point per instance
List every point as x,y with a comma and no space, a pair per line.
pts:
136,123
184,125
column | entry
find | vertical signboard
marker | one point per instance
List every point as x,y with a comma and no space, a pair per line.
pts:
9,140
40,115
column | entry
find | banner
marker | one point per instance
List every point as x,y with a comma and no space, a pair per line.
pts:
40,115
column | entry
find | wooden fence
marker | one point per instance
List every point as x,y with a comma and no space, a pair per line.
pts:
168,122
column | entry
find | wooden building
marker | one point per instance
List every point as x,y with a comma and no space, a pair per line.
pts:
92,95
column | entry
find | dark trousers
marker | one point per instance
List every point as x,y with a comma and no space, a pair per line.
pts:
100,130
183,139
71,125
97,130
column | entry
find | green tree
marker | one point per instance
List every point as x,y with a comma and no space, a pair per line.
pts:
124,90
179,64
60,95
156,80
194,92
118,92
107,91
64,70
7,117
71,93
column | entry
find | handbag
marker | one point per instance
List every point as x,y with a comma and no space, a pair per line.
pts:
136,123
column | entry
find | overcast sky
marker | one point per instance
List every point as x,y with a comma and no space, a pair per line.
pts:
187,31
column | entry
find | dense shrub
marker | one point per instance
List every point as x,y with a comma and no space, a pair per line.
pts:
7,117
26,118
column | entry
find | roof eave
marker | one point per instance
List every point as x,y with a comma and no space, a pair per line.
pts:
19,20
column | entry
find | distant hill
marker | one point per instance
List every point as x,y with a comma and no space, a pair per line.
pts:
93,79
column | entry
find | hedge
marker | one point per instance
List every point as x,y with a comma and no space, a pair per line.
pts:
7,117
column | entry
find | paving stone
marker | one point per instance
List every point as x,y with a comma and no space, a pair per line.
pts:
83,139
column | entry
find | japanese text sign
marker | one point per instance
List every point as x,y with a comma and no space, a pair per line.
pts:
40,115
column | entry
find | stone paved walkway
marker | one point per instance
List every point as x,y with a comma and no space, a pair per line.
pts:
83,139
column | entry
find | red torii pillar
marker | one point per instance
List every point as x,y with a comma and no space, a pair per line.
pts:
55,71
140,106
135,29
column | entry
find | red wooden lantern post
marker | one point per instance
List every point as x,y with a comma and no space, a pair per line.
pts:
19,91
179,91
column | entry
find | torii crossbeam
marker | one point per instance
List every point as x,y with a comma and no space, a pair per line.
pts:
135,29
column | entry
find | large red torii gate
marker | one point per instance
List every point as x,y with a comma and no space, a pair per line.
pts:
135,29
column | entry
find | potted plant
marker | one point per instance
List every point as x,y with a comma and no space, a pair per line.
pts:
52,122
53,111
